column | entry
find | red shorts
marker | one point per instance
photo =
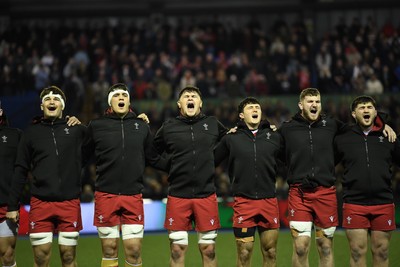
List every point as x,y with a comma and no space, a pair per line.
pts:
181,212
112,210
3,211
374,217
62,216
256,212
318,205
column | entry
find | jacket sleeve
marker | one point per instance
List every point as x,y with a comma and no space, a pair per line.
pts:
221,151
396,152
341,126
222,130
153,158
88,145
159,143
21,168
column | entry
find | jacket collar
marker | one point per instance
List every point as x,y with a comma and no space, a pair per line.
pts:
191,120
263,124
299,118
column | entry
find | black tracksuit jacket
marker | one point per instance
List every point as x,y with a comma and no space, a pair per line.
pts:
190,143
308,149
367,160
52,151
252,160
122,147
9,138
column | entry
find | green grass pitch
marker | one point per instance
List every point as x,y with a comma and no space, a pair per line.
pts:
156,251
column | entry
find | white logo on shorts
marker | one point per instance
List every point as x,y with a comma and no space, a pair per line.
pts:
348,220
170,221
140,217
389,222
275,220
212,221
240,219
101,218
75,224
292,212
331,218
32,225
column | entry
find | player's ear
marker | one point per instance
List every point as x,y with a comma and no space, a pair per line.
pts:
179,104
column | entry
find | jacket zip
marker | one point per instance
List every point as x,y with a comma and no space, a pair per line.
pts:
123,145
54,137
55,145
312,152
194,154
367,157
255,163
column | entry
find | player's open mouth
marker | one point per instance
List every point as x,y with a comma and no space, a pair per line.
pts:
190,105
51,108
121,104
254,116
367,117
313,111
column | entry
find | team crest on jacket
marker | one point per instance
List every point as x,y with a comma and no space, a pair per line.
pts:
381,139
4,139
136,126
66,130
205,125
268,135
324,123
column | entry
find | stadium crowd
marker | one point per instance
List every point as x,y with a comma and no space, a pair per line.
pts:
155,59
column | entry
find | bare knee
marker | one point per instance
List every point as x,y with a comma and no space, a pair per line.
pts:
68,257
301,249
41,258
325,250
358,252
381,253
270,253
133,251
208,251
110,248
177,252
8,257
244,254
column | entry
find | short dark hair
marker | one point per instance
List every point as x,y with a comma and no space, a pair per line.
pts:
53,89
309,92
362,100
189,88
118,86
247,101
